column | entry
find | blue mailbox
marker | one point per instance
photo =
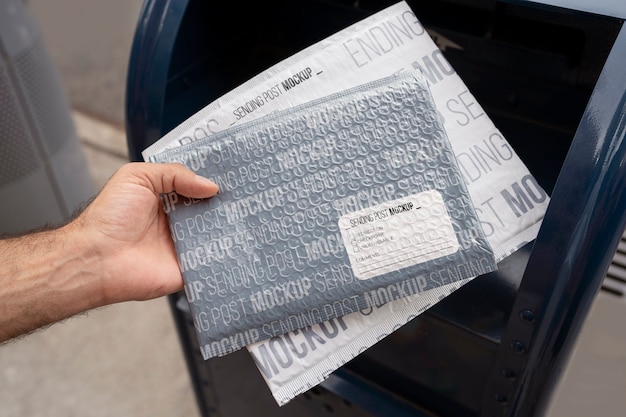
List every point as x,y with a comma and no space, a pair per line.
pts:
550,73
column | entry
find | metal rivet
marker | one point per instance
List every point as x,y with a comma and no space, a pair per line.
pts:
527,316
509,374
518,347
502,399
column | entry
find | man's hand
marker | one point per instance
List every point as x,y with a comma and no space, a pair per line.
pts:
118,249
127,226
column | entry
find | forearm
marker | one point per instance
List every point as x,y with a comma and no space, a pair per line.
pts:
46,277
119,249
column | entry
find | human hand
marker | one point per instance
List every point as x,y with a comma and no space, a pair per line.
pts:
126,226
118,249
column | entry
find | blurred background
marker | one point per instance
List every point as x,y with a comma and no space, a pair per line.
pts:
123,360
126,360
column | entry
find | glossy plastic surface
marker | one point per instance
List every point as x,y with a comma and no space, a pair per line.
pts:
573,250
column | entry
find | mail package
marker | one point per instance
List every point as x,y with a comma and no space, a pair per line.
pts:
509,202
334,206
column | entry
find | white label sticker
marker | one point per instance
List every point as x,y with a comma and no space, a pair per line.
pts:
398,234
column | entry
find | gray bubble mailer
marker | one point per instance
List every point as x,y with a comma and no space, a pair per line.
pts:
331,207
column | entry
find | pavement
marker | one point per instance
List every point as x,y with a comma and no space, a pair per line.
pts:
125,360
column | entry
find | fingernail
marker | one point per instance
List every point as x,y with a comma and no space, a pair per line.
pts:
208,183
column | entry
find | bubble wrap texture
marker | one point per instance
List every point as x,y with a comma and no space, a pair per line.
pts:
266,256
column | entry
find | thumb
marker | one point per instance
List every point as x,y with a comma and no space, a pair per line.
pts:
165,178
